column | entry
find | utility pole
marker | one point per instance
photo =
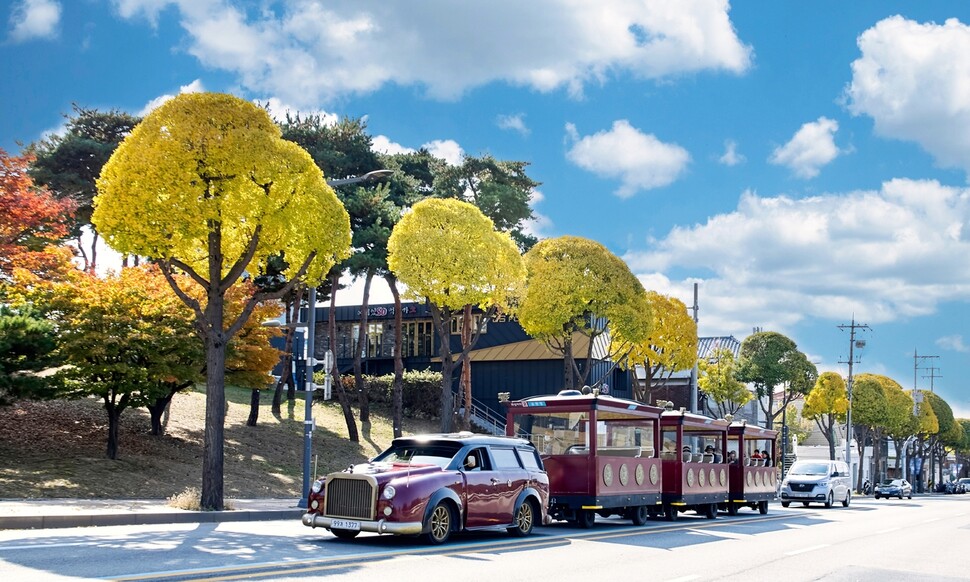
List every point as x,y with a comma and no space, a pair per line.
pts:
694,405
933,375
918,399
852,327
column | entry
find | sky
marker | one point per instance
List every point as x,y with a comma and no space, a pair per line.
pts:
804,163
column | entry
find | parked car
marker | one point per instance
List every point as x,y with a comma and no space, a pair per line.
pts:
964,484
433,485
817,482
894,488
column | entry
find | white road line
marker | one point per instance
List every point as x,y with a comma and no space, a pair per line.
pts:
44,546
684,578
805,550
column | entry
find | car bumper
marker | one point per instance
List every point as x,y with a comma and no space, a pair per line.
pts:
806,496
380,526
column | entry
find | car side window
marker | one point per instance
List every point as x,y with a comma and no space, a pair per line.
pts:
529,458
505,458
476,460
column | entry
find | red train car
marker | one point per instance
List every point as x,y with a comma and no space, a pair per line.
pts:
693,458
600,454
751,462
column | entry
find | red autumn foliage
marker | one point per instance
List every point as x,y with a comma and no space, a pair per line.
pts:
31,220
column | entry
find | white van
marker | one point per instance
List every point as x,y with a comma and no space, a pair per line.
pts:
817,482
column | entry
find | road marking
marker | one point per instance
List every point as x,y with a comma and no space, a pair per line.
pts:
684,578
44,546
806,550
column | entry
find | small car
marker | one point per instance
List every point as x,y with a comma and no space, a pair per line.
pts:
893,488
433,485
817,481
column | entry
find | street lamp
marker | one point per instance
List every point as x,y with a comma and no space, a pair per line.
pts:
372,175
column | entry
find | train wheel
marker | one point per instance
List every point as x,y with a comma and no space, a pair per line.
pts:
585,518
763,507
670,512
638,515
710,511
732,508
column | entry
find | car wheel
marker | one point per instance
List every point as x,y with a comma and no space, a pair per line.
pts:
783,504
639,515
732,507
525,519
804,504
439,524
585,518
877,496
848,499
763,507
345,534
829,500
910,496
900,496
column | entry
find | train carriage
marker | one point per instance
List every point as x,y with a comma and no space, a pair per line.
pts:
752,474
600,454
695,474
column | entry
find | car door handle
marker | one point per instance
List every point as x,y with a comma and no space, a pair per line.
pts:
494,481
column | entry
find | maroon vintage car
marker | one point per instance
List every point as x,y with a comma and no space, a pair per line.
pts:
433,485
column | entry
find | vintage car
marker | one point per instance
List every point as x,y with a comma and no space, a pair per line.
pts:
433,485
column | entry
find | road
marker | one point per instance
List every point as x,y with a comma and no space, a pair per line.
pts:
926,538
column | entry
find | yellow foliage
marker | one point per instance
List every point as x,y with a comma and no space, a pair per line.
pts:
206,167
672,343
447,251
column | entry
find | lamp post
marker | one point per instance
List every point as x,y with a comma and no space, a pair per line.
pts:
848,414
372,175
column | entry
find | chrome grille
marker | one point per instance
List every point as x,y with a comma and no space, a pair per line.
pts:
352,498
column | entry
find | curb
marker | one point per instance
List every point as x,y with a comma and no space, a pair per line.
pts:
142,518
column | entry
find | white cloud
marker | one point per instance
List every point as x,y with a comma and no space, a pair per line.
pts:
639,160
812,147
953,342
384,145
881,255
540,226
30,19
912,81
193,87
308,52
279,110
513,122
731,157
446,149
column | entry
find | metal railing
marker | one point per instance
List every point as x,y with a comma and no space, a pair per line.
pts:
484,417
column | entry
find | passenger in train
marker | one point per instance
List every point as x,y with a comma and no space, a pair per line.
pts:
732,457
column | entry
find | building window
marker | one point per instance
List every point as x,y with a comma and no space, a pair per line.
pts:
375,340
476,317
417,339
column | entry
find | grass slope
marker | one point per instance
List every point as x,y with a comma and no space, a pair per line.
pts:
57,448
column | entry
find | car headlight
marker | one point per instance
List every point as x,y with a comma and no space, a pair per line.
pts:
317,486
389,492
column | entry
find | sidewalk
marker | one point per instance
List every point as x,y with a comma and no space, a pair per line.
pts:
61,513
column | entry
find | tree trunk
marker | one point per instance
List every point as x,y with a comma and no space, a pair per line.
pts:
114,411
213,452
362,344
157,408
397,386
830,435
465,383
338,384
860,436
286,375
441,318
569,381
253,408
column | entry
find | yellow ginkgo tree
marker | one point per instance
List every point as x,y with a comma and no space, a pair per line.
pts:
205,185
449,253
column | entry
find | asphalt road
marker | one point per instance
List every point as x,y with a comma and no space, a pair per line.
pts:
926,538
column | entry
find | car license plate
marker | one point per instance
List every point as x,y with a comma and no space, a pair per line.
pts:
345,524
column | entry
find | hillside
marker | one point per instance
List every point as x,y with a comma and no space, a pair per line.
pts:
57,448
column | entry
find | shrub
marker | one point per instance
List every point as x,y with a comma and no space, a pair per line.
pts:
421,392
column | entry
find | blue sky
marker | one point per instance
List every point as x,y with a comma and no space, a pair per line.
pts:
804,162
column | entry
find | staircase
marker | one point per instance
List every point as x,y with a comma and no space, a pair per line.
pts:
484,418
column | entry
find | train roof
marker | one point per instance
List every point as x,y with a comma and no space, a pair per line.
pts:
575,401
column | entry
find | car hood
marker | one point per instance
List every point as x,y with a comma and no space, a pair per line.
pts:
392,470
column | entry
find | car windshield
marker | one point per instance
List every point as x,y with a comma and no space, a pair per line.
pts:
439,454
892,482
813,469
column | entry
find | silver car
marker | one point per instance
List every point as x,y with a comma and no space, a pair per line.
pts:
817,482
